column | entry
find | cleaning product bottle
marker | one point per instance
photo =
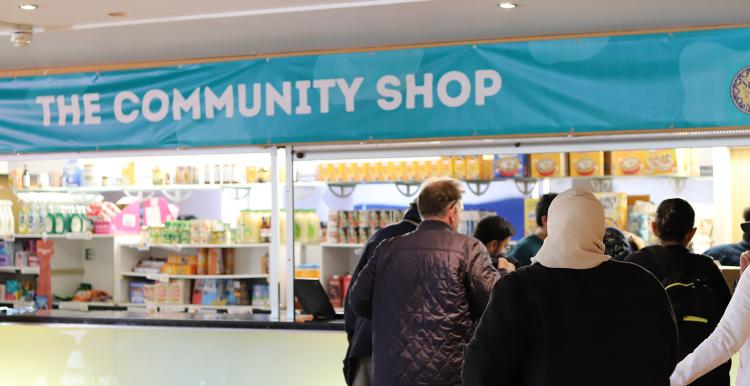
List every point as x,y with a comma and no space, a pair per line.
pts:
49,221
60,220
41,217
23,226
31,218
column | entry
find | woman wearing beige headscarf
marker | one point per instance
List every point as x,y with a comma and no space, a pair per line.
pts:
583,319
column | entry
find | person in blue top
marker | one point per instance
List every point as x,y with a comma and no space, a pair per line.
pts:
729,254
529,246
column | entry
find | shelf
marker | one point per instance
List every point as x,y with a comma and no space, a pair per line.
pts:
342,245
519,179
17,303
66,236
178,247
166,277
138,188
197,307
83,306
21,270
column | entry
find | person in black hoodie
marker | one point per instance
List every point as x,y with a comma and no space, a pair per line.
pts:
697,289
358,362
574,316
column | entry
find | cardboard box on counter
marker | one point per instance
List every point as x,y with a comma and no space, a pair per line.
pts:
548,165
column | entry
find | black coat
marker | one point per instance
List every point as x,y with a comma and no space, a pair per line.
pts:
607,326
690,265
423,291
358,330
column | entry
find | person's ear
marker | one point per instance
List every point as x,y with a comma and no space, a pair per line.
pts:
655,229
690,235
544,221
492,246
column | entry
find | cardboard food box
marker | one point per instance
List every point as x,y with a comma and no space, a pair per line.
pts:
589,164
672,162
548,165
179,292
615,209
511,165
654,162
161,292
630,163
529,215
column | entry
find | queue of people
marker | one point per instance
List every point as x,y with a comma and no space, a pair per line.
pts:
429,306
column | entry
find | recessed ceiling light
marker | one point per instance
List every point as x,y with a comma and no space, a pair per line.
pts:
118,14
28,7
506,5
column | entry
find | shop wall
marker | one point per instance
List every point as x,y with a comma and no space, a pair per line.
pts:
740,188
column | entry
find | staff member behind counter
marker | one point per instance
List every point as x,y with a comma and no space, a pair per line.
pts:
729,254
529,246
495,233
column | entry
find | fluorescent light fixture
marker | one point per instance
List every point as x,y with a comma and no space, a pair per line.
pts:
252,12
28,7
506,5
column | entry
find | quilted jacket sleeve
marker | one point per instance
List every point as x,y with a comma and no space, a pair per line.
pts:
481,277
360,295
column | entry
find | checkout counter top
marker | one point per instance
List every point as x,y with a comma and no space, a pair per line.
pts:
189,320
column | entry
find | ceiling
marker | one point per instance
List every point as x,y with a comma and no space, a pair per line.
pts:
80,32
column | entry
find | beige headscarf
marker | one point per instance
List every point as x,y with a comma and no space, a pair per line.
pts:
575,230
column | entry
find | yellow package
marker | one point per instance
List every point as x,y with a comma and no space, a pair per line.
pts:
630,163
529,215
615,209
548,165
444,167
672,162
588,164
360,172
487,167
473,168
459,168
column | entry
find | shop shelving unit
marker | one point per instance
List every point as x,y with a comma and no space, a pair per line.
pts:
247,266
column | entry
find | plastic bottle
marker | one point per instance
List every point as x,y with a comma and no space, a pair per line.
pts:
31,226
10,222
41,217
4,231
60,220
26,178
23,226
49,221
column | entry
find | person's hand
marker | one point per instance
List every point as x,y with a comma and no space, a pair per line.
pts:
504,265
744,261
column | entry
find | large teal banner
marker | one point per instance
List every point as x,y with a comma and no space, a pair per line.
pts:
603,84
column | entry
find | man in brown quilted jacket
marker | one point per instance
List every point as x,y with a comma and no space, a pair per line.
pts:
424,291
